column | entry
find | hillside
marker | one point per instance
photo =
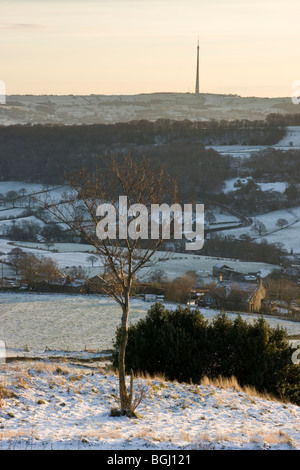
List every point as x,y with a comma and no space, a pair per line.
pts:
63,406
95,109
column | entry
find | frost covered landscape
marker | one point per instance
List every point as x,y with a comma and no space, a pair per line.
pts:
149,229
62,406
57,388
83,326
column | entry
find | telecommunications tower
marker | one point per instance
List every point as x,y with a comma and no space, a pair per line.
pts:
197,71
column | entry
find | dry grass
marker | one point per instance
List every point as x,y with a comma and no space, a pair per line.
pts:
159,377
103,433
11,434
4,393
222,382
278,437
232,383
22,380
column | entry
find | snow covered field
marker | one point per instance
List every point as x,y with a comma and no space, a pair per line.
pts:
290,141
278,186
58,406
68,255
288,236
30,188
43,325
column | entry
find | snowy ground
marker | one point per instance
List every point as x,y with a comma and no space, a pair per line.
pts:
68,255
288,236
46,325
290,141
278,186
67,407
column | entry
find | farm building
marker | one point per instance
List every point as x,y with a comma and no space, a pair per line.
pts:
234,295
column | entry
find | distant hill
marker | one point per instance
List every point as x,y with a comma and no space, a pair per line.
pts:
98,109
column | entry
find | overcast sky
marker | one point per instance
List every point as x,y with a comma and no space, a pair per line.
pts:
247,47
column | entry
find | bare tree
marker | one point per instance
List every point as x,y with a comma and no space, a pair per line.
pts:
158,276
123,255
282,290
259,227
281,223
92,259
78,272
33,269
15,256
28,268
179,289
11,197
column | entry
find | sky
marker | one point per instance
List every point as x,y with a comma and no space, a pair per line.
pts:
112,47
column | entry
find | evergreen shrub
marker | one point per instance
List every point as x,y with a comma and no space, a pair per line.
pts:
185,347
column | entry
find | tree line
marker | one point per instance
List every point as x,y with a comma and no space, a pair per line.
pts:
44,153
278,165
244,249
278,119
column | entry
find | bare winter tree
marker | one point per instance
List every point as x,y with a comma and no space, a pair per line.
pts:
281,223
15,256
92,259
36,269
123,255
259,227
282,290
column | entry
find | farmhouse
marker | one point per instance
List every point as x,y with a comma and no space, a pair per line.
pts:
234,295
224,272
94,285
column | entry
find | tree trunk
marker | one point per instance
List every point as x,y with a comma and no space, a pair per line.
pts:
124,398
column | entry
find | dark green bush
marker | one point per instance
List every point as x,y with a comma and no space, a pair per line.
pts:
184,346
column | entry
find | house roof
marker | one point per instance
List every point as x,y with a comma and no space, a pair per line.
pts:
247,289
222,266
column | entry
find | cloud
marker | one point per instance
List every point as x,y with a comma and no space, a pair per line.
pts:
22,26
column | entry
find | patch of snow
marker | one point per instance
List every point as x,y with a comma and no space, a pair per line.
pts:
238,151
278,186
291,139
